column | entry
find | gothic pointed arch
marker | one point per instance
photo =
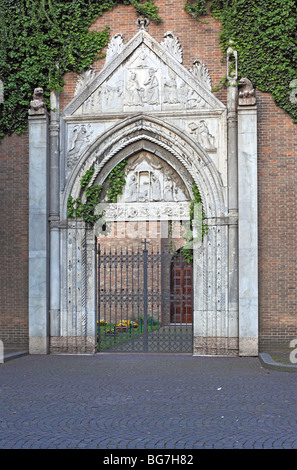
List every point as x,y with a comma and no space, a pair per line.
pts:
144,132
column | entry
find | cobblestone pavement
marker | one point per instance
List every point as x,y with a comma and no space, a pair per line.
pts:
138,401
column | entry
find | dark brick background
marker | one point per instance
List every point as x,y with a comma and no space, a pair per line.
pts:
14,241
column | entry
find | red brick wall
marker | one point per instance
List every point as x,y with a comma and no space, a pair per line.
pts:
277,174
14,241
277,145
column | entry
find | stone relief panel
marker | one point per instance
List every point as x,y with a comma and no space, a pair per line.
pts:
151,180
143,211
80,137
201,134
171,95
142,83
143,89
153,190
108,97
154,71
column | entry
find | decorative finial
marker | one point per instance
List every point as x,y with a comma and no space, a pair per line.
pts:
172,45
231,64
143,23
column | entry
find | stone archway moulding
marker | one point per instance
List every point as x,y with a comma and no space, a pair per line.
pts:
212,318
160,136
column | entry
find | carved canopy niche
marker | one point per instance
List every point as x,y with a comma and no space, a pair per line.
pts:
153,191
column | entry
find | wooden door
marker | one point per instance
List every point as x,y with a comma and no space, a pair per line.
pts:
181,291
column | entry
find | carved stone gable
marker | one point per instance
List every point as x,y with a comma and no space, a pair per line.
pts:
147,76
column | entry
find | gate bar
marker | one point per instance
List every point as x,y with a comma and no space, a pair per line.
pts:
145,300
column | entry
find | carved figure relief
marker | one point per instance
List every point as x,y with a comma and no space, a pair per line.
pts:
190,98
111,95
79,138
203,136
88,105
148,180
106,97
151,91
170,89
155,187
147,78
172,45
134,91
131,189
168,188
201,73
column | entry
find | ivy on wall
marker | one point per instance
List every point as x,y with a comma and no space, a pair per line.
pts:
197,215
41,40
196,8
265,37
84,206
86,209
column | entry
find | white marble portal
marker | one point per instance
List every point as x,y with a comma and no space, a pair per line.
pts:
146,107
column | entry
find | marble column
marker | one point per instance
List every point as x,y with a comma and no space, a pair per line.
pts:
233,202
38,234
248,235
232,105
54,217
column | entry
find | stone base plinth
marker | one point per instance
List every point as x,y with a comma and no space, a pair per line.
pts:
248,347
72,345
38,345
215,346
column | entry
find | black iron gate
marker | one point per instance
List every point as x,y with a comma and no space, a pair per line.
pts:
144,300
